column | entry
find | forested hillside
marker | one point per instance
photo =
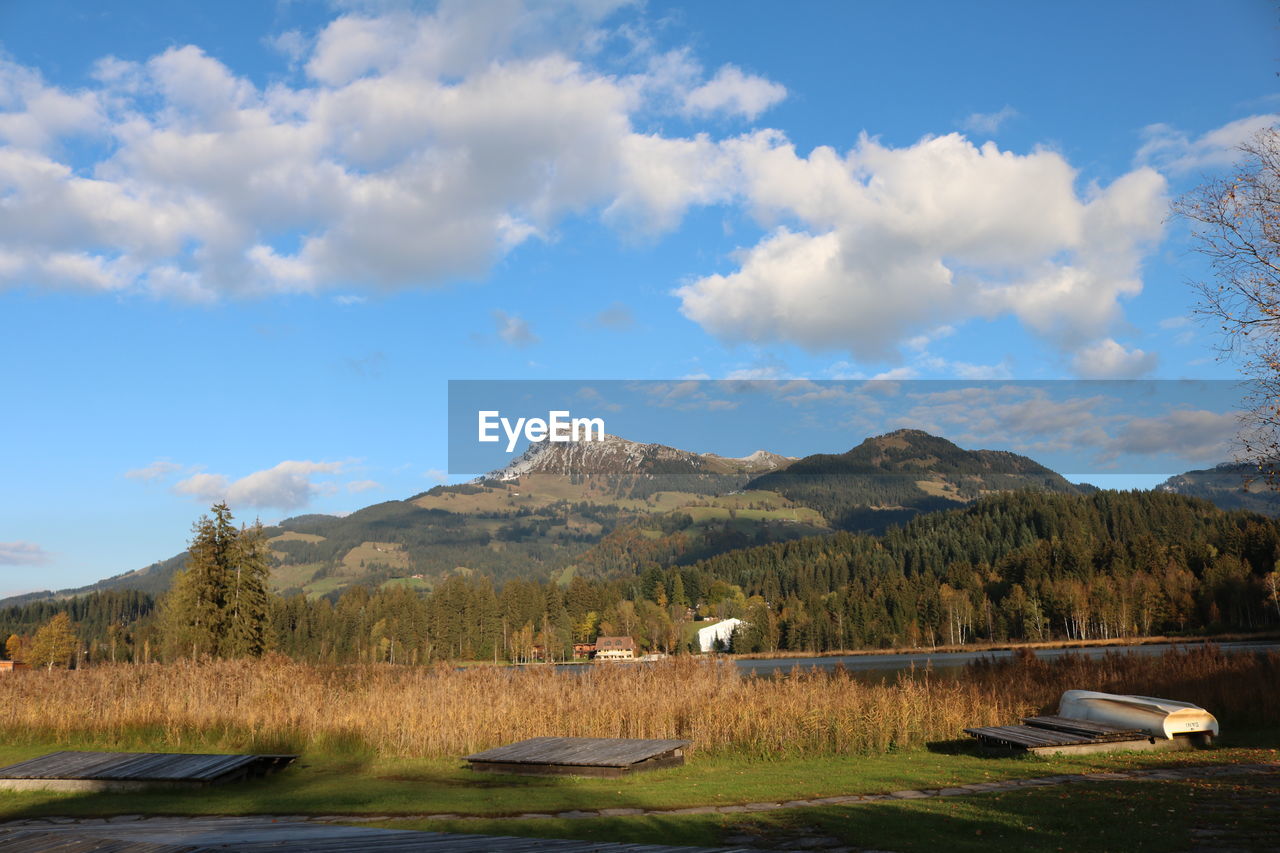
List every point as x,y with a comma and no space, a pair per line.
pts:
892,478
1019,566
1230,486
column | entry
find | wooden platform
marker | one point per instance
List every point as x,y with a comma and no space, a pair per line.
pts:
1050,735
261,835
124,771
580,756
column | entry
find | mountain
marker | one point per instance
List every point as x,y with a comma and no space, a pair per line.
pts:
891,478
630,469
1230,485
535,518
607,507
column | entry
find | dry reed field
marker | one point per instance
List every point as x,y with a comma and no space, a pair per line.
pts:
276,704
1241,690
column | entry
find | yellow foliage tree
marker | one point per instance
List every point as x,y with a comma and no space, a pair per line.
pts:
54,643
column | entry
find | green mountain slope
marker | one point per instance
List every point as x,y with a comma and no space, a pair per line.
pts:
560,510
889,479
1230,486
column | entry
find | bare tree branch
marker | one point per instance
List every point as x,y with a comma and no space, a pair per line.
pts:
1236,225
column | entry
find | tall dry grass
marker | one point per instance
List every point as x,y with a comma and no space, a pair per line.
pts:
279,705
1241,690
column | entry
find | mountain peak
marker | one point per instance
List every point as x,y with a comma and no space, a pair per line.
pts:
891,477
614,456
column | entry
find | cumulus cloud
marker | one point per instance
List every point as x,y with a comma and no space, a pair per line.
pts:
513,329
35,115
418,149
1107,359
897,240
23,554
415,149
1177,151
736,93
286,486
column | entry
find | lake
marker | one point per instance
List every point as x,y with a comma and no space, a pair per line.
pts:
886,666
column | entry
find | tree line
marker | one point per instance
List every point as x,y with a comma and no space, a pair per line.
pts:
1017,566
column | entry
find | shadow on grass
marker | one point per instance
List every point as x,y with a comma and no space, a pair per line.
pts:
972,749
1102,817
462,776
956,746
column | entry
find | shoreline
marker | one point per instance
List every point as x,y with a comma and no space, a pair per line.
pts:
1261,636
977,648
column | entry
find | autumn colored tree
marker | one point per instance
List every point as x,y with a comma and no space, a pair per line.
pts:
13,648
54,644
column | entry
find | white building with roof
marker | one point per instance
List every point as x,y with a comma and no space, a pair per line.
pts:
722,631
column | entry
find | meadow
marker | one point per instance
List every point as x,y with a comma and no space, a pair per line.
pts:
384,742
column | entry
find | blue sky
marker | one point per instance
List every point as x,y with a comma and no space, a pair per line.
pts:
244,246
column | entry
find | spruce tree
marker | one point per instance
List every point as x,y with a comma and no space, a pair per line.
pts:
249,595
220,604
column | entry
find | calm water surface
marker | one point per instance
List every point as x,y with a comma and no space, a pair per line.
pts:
885,667
888,666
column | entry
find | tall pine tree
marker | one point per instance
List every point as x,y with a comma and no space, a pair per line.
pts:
220,605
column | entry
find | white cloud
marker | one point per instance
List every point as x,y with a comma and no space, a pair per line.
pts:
157,470
286,486
1026,416
23,554
987,124
1190,433
35,115
420,149
1108,359
898,240
1176,322
437,474
661,178
903,372
920,342
363,486
965,369
689,395
736,93
513,329
290,43
1176,151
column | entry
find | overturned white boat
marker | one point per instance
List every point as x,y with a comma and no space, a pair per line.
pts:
1088,721
1161,718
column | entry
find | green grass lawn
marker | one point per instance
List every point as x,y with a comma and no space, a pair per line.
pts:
362,784
1238,813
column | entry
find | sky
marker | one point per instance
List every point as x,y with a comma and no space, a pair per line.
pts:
245,246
